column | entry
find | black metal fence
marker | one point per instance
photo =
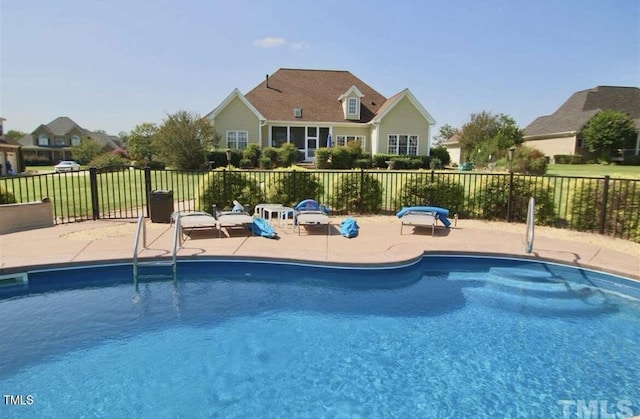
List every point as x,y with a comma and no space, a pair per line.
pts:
605,205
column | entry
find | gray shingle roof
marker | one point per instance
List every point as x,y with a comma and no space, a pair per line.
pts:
581,106
316,92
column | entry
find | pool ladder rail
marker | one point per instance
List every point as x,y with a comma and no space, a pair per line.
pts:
16,281
531,221
141,232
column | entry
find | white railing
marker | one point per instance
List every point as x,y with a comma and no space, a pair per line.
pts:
531,221
140,229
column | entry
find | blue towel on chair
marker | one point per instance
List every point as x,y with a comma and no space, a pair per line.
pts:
441,213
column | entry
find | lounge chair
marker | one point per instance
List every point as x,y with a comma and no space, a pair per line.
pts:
237,217
310,213
423,217
193,220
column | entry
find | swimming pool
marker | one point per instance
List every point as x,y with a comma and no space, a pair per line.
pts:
445,337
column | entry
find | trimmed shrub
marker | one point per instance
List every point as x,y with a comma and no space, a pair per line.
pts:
246,164
221,187
252,154
292,186
529,161
7,197
356,191
623,207
492,200
271,154
364,163
380,160
441,153
341,158
287,155
218,158
407,163
435,163
568,159
420,191
322,158
265,163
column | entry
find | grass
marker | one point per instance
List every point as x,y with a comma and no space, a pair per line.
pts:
595,170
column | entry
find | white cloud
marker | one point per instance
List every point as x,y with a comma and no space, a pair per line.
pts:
273,42
269,42
298,45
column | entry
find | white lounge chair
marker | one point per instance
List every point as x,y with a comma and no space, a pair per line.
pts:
420,219
238,217
309,213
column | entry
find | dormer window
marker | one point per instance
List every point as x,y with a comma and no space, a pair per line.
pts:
352,106
351,103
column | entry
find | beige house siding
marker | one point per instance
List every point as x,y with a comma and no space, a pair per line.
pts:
237,117
553,146
404,118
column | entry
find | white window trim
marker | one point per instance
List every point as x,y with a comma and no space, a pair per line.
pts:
234,143
75,140
396,149
353,100
342,140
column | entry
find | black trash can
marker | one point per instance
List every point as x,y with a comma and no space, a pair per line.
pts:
161,206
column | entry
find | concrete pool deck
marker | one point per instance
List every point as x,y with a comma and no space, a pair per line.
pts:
379,241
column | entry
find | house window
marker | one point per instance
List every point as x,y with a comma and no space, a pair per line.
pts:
43,139
580,143
352,106
344,139
59,141
75,140
406,145
237,140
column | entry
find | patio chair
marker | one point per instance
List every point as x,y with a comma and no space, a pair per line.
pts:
310,213
237,217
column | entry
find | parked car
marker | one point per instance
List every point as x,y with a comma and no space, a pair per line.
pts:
67,166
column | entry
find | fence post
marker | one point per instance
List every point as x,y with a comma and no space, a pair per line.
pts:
147,189
360,200
95,201
603,208
433,174
224,188
510,197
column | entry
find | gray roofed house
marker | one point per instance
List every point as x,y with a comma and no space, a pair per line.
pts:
558,133
306,107
53,142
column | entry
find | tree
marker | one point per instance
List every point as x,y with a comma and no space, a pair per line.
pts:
446,131
86,151
183,140
487,135
140,142
14,135
608,131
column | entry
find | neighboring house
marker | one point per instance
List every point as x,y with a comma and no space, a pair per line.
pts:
558,133
8,152
307,107
53,142
453,147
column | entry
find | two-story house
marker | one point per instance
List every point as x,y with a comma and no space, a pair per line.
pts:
53,142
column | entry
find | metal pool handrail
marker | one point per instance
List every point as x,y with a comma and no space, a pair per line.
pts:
529,233
141,228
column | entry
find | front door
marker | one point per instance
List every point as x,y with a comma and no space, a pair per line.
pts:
311,143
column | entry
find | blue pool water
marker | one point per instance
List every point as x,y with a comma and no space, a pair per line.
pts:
446,337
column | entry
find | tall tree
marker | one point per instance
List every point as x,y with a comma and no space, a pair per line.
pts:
140,142
608,131
86,151
446,131
183,140
488,134
14,134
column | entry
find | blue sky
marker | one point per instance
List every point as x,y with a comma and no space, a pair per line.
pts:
113,64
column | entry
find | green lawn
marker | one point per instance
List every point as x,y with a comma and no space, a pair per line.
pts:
594,170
